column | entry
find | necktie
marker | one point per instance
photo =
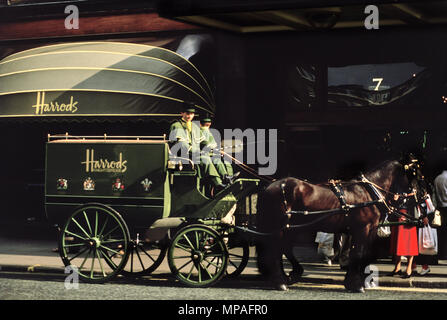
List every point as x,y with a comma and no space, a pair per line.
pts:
189,126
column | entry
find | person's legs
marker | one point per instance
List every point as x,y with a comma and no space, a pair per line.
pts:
442,235
397,264
408,271
220,167
209,170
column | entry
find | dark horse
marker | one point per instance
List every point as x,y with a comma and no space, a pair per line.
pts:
290,194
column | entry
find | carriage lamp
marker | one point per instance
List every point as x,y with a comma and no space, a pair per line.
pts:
171,164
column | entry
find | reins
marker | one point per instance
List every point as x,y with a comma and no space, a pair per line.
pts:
246,168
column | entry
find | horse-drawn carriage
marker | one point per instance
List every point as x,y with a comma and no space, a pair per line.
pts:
122,203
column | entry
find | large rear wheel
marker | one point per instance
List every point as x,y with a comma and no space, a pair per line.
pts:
94,242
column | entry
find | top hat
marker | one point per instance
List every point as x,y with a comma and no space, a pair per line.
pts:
205,120
188,107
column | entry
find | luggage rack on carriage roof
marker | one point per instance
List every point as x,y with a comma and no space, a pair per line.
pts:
67,138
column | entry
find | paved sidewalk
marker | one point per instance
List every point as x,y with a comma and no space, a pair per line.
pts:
29,255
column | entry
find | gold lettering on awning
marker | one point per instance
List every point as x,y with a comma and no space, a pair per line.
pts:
53,107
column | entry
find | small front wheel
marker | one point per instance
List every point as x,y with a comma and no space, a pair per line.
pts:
198,256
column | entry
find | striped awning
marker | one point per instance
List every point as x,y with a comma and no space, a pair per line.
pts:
105,79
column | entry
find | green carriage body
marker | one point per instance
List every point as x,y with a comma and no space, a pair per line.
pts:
115,198
150,191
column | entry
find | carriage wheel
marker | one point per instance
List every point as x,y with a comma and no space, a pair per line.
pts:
95,242
144,257
198,256
238,255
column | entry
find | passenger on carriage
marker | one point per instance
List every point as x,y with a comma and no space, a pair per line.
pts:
188,137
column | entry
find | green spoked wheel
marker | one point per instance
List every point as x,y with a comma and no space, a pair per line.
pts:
144,257
95,243
237,259
198,256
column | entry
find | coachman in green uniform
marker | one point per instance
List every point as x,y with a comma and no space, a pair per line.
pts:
209,143
188,137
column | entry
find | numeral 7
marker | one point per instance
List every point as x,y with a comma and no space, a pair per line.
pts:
379,81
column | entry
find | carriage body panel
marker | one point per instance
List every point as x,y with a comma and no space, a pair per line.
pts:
131,175
127,175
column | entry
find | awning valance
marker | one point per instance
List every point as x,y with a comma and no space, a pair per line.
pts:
107,79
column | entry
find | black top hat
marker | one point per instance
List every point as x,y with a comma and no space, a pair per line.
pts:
188,107
205,120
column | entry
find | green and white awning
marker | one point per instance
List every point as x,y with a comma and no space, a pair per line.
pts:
88,79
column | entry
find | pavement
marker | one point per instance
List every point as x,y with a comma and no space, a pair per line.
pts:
31,252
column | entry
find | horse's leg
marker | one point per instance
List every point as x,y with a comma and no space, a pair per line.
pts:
358,260
297,269
278,277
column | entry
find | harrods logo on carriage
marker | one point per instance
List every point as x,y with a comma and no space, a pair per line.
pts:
103,165
54,106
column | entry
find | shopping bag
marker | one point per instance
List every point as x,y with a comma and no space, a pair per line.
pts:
384,231
325,243
430,207
428,241
436,221
427,238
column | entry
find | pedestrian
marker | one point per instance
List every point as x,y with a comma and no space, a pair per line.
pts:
403,242
424,259
440,184
325,246
427,256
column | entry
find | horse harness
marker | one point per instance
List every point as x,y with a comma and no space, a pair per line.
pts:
345,208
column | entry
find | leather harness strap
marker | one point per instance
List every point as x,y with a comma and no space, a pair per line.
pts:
339,193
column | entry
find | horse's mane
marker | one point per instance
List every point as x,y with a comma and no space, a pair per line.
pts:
383,167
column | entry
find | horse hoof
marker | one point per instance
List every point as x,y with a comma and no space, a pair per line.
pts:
282,287
358,290
293,277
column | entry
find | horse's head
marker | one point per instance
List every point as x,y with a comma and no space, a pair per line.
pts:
408,182
414,173
401,177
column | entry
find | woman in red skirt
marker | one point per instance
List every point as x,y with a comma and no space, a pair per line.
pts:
403,242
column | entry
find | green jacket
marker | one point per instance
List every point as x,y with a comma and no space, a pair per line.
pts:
189,140
208,140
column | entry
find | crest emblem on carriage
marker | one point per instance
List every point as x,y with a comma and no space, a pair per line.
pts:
89,184
117,185
62,184
146,183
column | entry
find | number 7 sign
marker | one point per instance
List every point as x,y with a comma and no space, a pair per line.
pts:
379,81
